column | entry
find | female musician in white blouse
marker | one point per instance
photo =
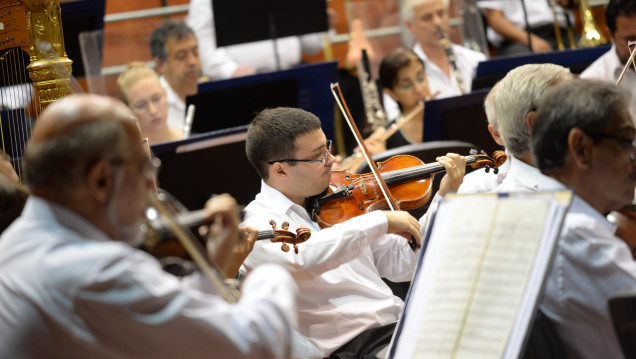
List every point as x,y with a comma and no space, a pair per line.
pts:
140,89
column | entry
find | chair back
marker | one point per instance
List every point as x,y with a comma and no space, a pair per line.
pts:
622,308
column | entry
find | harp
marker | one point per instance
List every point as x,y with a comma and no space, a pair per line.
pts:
34,68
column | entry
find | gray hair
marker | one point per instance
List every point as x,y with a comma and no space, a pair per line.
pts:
272,134
489,107
168,29
586,104
407,10
89,131
518,93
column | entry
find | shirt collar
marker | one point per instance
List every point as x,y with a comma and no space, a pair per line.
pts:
277,201
43,210
578,204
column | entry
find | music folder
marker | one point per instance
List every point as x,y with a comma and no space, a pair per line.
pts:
479,280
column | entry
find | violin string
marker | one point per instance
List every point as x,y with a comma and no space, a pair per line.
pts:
396,176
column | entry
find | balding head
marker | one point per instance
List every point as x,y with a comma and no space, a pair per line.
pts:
74,133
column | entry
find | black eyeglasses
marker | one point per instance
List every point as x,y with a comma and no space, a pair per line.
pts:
322,159
623,140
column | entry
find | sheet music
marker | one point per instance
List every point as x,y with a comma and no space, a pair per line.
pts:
473,277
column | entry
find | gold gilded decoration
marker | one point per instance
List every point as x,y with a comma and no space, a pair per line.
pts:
40,20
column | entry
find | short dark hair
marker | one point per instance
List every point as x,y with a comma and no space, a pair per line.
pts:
272,134
586,104
616,8
393,62
168,29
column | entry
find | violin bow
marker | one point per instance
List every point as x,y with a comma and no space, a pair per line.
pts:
393,205
209,269
630,46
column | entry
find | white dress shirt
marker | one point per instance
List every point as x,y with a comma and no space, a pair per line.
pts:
176,107
466,61
520,177
338,270
259,55
68,291
539,14
609,67
591,265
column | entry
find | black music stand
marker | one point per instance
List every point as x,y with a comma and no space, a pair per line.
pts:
240,21
80,16
460,118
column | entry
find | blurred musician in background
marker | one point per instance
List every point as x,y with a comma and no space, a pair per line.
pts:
140,89
248,58
583,138
175,51
507,28
620,16
403,78
450,68
339,269
72,285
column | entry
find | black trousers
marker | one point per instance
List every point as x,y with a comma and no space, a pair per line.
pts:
366,345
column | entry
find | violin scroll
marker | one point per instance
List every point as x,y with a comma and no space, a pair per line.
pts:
286,237
483,160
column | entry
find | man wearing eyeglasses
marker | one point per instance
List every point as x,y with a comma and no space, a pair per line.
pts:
72,286
583,138
345,309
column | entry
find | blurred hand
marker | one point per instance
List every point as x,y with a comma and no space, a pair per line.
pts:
243,70
403,224
374,143
6,168
539,44
224,238
455,166
357,43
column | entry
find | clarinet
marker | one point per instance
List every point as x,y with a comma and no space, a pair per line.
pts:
376,117
459,80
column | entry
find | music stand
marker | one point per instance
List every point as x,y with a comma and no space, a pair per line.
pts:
240,21
80,16
460,118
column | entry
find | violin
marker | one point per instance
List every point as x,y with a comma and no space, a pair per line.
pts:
408,178
162,241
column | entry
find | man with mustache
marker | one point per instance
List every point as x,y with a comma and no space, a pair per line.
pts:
620,16
71,284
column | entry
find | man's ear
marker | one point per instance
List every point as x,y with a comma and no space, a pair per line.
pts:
99,181
530,119
495,135
158,65
409,26
278,170
580,148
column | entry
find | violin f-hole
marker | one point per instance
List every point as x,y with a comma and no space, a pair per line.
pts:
362,205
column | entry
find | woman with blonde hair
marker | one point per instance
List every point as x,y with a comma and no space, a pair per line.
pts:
140,89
